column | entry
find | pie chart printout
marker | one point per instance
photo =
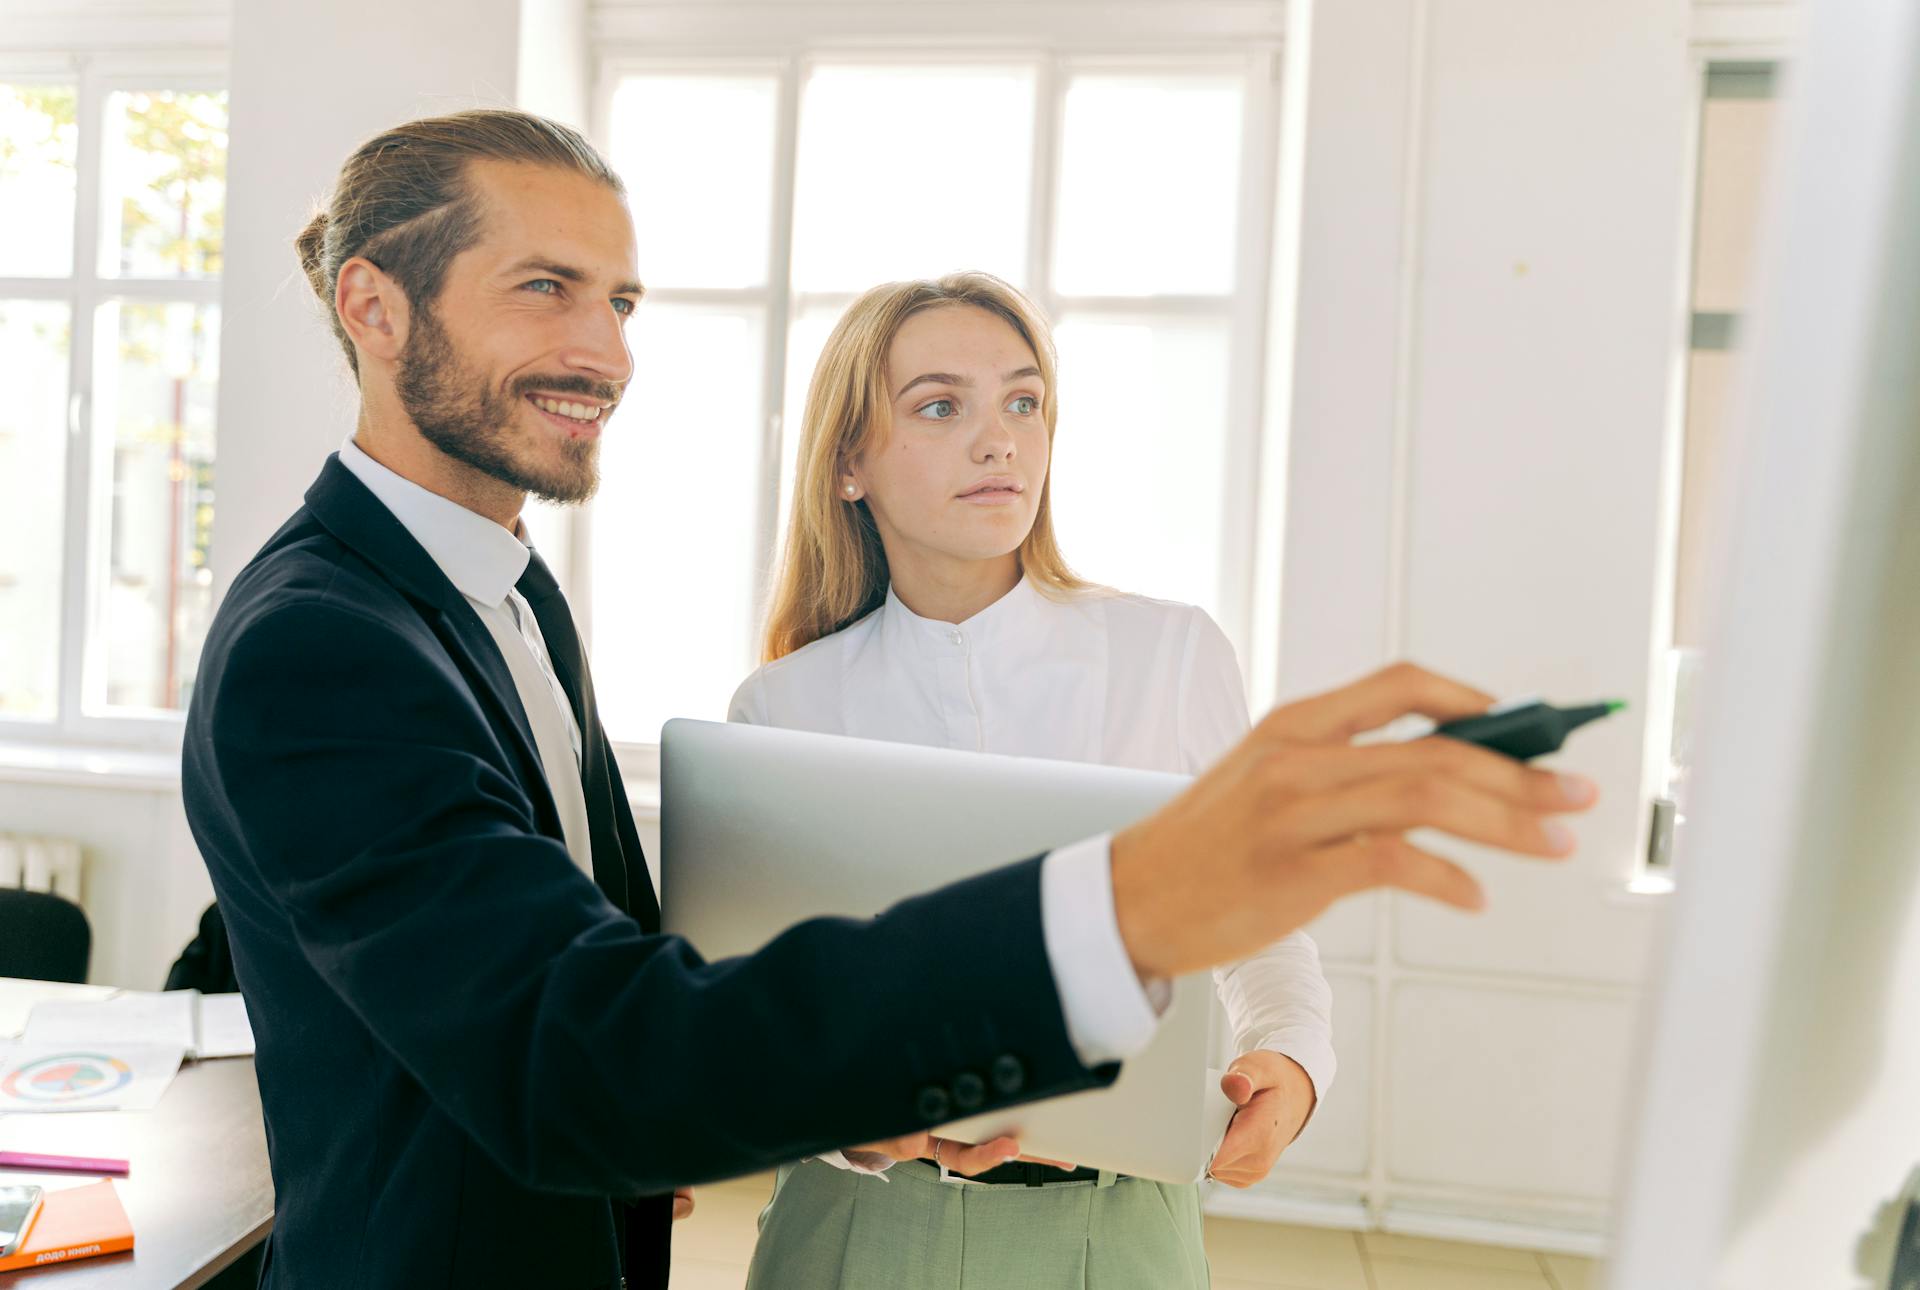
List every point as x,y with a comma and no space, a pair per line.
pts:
73,1073
67,1078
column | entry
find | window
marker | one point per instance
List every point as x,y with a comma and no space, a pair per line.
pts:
112,195
819,177
1736,131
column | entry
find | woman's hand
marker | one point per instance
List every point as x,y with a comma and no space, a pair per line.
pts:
958,1157
964,1158
1275,1096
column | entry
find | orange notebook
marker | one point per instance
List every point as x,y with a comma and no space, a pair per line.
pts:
77,1223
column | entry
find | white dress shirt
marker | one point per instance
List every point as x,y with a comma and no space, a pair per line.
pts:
1117,679
483,561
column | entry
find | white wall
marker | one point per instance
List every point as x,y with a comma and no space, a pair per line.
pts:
1489,210
309,84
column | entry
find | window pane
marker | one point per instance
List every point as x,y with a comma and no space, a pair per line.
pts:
1139,466
697,156
912,172
156,367
1736,138
806,337
38,143
1149,186
34,336
1709,386
674,525
163,184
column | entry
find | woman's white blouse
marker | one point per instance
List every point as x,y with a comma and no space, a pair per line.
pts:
1105,677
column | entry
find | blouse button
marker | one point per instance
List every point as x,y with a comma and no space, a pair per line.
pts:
956,638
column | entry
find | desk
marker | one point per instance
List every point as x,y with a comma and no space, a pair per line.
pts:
200,1193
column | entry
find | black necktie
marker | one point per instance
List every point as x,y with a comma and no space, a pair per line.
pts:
621,876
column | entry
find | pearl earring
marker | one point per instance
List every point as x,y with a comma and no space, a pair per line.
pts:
851,490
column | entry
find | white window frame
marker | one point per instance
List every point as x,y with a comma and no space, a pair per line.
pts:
86,485
1069,39
1722,33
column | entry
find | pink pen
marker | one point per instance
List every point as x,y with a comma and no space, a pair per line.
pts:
62,1164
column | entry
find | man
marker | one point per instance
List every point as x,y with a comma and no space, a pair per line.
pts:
479,1065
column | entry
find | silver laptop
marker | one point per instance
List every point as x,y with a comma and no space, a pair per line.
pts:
762,828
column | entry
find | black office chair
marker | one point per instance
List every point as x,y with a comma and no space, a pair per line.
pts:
206,964
43,937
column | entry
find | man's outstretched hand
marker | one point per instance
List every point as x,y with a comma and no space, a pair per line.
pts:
1296,816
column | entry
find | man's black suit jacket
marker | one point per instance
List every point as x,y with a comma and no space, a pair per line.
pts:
478,1067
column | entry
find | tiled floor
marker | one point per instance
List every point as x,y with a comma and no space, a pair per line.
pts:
710,1252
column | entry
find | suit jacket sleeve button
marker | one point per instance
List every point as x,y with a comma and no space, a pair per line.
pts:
969,1091
933,1104
1009,1075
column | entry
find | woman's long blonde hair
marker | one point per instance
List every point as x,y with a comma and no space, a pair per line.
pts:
834,570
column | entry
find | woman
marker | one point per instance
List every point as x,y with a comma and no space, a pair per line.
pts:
922,599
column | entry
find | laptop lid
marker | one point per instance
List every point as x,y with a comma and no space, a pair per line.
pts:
762,828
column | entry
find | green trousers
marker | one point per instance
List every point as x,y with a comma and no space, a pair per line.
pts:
830,1229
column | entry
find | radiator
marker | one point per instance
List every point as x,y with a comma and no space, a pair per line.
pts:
41,864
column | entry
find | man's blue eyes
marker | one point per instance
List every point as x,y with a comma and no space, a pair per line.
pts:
549,286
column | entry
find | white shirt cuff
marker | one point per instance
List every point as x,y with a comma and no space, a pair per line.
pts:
1310,1051
854,1160
1110,1014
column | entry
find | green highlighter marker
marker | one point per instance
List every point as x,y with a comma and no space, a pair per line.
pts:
1526,730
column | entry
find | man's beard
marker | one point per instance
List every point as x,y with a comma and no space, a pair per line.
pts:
462,417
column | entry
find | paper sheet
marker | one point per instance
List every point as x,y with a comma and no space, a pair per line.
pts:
133,1017
201,1026
17,1000
42,1078
224,1028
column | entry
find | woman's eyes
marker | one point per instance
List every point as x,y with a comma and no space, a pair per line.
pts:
945,410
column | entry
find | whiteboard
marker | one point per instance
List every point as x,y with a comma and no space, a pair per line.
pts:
1780,1085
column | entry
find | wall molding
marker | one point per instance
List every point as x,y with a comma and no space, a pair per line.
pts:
1132,23
1576,1230
83,26
74,766
1776,25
